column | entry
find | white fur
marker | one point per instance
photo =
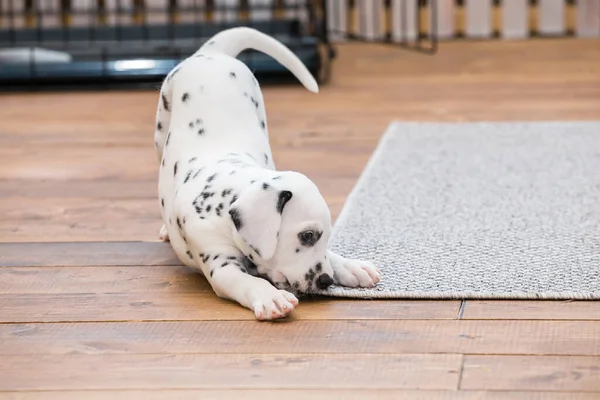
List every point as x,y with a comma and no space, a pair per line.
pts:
216,169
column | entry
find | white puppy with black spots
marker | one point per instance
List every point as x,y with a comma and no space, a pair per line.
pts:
260,236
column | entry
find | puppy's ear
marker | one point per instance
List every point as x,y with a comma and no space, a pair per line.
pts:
256,215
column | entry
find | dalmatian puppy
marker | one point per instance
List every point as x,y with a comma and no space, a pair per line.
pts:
259,236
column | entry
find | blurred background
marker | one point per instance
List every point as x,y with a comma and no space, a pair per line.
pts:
84,42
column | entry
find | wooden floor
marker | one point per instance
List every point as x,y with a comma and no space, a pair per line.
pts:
93,307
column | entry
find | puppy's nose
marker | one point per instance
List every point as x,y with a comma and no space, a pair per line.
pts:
324,281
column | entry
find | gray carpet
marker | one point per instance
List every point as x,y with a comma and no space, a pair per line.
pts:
478,210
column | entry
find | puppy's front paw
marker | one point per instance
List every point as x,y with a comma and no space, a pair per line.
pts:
274,305
163,234
354,273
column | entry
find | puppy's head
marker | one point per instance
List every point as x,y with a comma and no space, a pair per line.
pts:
287,224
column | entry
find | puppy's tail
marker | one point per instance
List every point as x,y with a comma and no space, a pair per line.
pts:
235,40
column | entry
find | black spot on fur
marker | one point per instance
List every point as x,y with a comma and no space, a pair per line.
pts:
168,138
162,202
232,258
236,218
163,162
211,42
211,178
277,178
179,223
175,168
212,271
233,75
191,124
254,101
263,124
233,199
284,197
201,131
224,264
205,258
165,102
265,185
215,257
219,209
297,250
266,158
183,221
318,267
185,97
193,159
198,210
159,126
208,207
189,253
187,176
226,192
197,173
251,257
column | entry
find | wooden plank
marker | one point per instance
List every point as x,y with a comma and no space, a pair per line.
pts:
446,15
404,20
587,22
230,371
514,19
552,373
551,17
55,280
278,394
314,336
478,18
88,162
534,310
114,307
86,253
197,306
103,189
79,219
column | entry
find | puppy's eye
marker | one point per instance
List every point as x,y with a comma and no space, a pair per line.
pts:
308,238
